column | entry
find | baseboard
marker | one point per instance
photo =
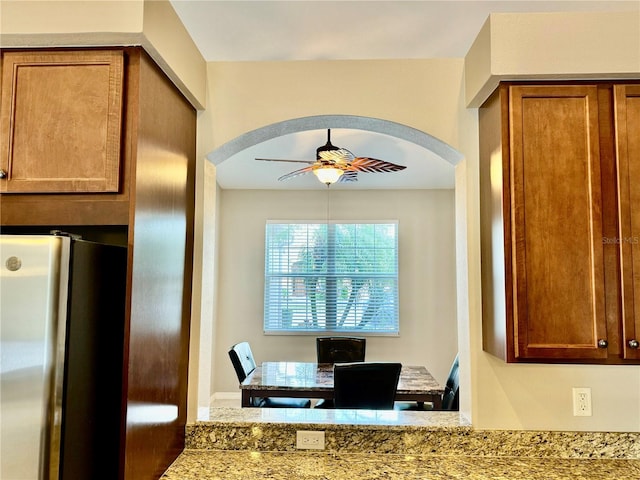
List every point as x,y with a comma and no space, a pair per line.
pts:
225,396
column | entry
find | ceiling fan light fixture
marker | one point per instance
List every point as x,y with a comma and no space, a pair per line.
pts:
328,175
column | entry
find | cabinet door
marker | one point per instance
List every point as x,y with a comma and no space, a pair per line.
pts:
61,121
558,270
627,123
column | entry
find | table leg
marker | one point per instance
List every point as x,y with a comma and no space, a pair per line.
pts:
246,397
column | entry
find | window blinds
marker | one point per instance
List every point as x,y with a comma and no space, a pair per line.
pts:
331,277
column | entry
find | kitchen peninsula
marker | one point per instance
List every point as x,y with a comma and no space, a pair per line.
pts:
260,443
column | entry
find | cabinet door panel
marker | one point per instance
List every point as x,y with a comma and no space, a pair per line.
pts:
627,118
558,272
61,121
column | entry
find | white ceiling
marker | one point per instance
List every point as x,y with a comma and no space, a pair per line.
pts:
350,30
347,30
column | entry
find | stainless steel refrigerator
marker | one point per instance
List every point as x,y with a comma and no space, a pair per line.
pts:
62,313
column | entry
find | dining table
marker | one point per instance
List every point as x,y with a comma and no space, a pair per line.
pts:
315,380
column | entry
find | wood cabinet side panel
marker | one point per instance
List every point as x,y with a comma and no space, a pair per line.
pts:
495,243
161,260
556,222
627,121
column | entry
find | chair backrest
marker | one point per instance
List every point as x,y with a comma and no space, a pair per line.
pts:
242,360
366,385
451,396
340,349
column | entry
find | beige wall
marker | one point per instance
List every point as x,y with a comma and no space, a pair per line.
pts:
428,330
422,94
585,45
47,18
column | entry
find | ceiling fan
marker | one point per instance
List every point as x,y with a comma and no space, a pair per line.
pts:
335,164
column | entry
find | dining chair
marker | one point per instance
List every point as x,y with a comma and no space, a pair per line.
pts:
340,349
365,385
450,397
244,363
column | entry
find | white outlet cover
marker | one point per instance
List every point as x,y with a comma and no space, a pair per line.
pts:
310,440
581,402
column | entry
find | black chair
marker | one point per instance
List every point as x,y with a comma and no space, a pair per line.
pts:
244,363
340,349
365,385
450,397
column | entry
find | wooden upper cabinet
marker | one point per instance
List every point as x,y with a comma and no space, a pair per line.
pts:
560,222
556,221
61,121
627,124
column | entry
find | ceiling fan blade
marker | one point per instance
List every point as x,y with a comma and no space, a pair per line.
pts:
348,176
309,162
373,165
295,173
341,155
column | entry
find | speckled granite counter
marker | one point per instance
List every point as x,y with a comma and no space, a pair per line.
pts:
260,444
248,465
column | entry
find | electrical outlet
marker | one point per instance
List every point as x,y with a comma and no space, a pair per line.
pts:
310,440
581,402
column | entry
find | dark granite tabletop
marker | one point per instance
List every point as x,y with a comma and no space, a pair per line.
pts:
311,377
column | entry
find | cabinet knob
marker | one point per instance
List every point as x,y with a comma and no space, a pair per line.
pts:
3,174
633,343
602,343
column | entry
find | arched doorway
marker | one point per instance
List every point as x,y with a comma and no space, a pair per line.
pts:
366,124
376,125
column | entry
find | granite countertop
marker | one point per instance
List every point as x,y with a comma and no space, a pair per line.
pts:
253,465
258,443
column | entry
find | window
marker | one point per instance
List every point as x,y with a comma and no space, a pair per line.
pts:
331,277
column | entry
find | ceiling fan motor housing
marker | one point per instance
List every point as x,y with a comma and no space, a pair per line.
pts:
326,147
